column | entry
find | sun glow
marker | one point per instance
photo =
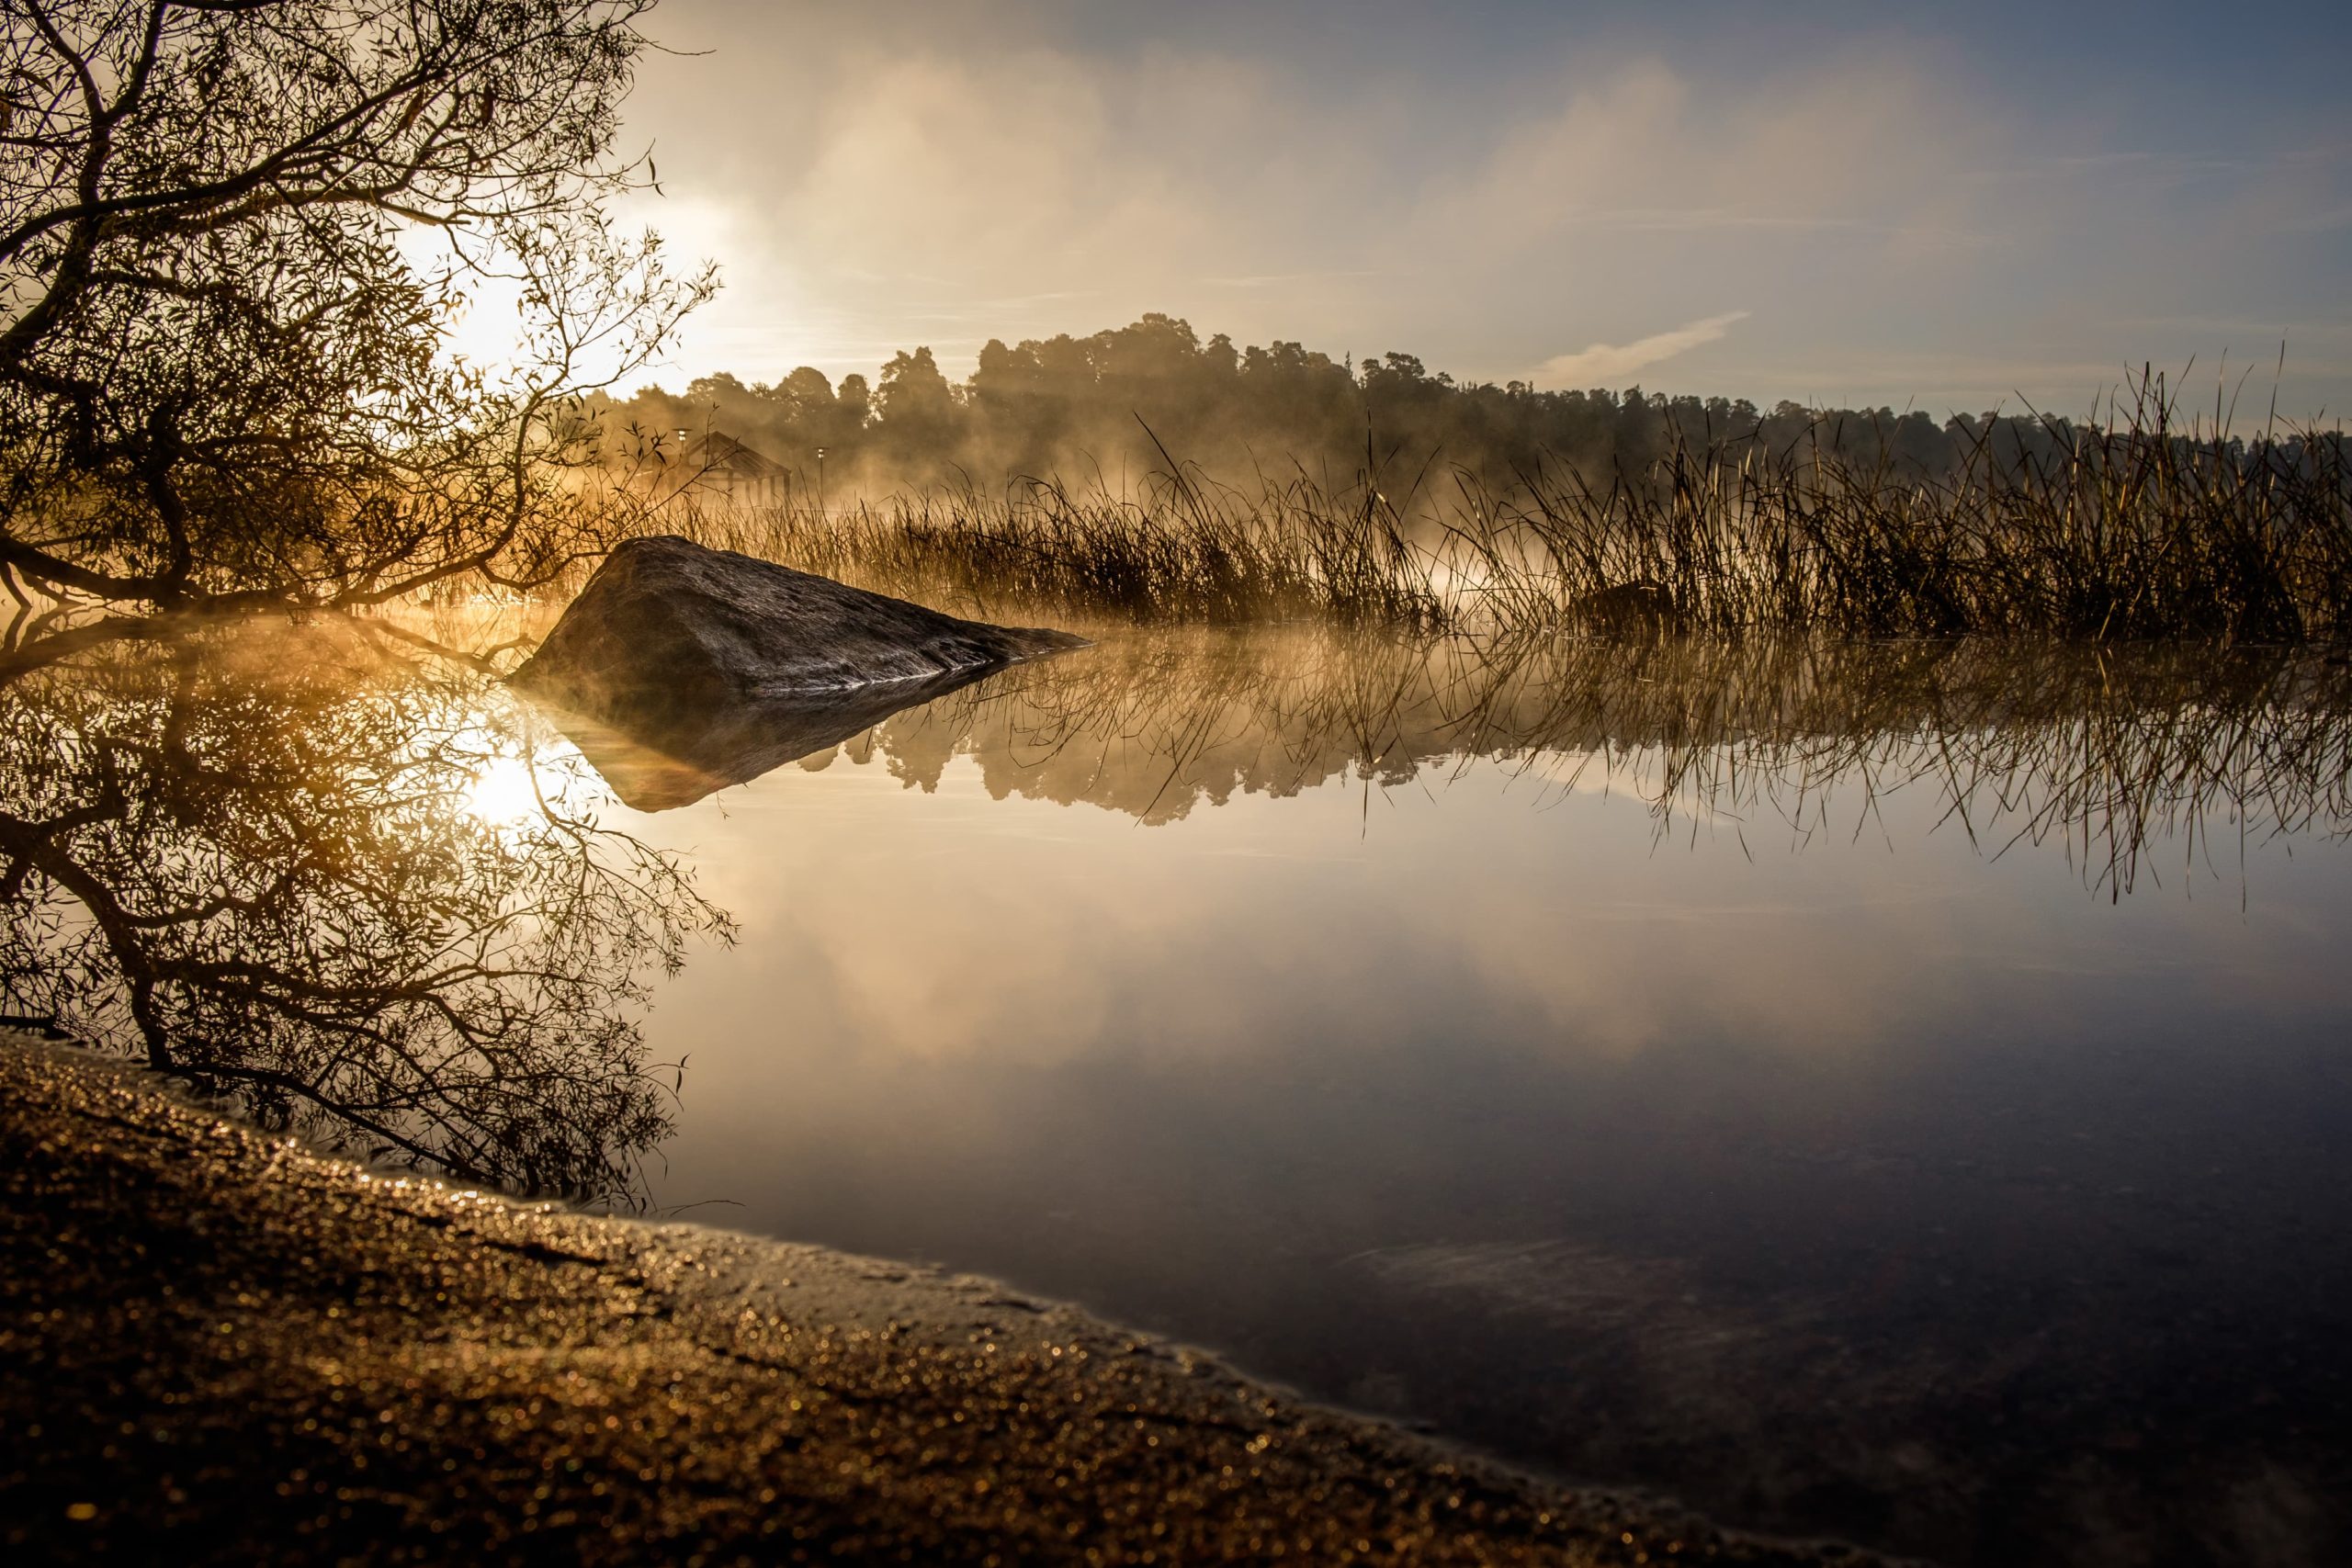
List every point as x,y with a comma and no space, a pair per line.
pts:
484,331
481,327
505,791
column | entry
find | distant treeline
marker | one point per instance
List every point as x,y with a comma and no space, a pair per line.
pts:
1123,403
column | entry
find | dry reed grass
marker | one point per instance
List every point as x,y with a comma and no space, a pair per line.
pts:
2133,527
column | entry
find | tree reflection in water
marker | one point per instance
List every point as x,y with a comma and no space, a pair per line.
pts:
354,888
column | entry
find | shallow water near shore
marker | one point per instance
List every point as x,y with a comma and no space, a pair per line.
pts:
1893,1091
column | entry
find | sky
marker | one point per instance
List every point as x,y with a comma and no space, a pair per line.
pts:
1947,207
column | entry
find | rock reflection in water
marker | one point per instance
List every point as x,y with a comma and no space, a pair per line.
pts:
356,890
692,754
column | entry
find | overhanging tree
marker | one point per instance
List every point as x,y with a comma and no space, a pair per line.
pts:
233,235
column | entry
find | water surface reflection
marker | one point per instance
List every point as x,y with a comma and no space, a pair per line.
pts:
1893,1091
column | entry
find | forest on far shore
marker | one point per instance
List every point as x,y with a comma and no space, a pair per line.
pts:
1120,404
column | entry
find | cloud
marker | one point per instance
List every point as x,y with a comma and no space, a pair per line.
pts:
1603,362
1271,279
902,173
1644,147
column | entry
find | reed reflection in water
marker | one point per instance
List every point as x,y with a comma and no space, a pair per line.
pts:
2097,753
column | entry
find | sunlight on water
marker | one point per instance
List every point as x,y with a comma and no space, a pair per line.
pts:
504,792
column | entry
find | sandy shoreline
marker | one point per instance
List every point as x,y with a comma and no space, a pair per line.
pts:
226,1346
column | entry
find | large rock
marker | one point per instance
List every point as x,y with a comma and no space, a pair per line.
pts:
665,622
730,665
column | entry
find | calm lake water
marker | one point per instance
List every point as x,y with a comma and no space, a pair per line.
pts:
1899,1092
1613,1071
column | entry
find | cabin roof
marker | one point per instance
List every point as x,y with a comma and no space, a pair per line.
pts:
717,454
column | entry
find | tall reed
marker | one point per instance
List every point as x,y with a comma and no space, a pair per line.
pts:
1184,551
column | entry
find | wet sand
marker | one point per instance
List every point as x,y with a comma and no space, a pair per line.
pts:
225,1345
